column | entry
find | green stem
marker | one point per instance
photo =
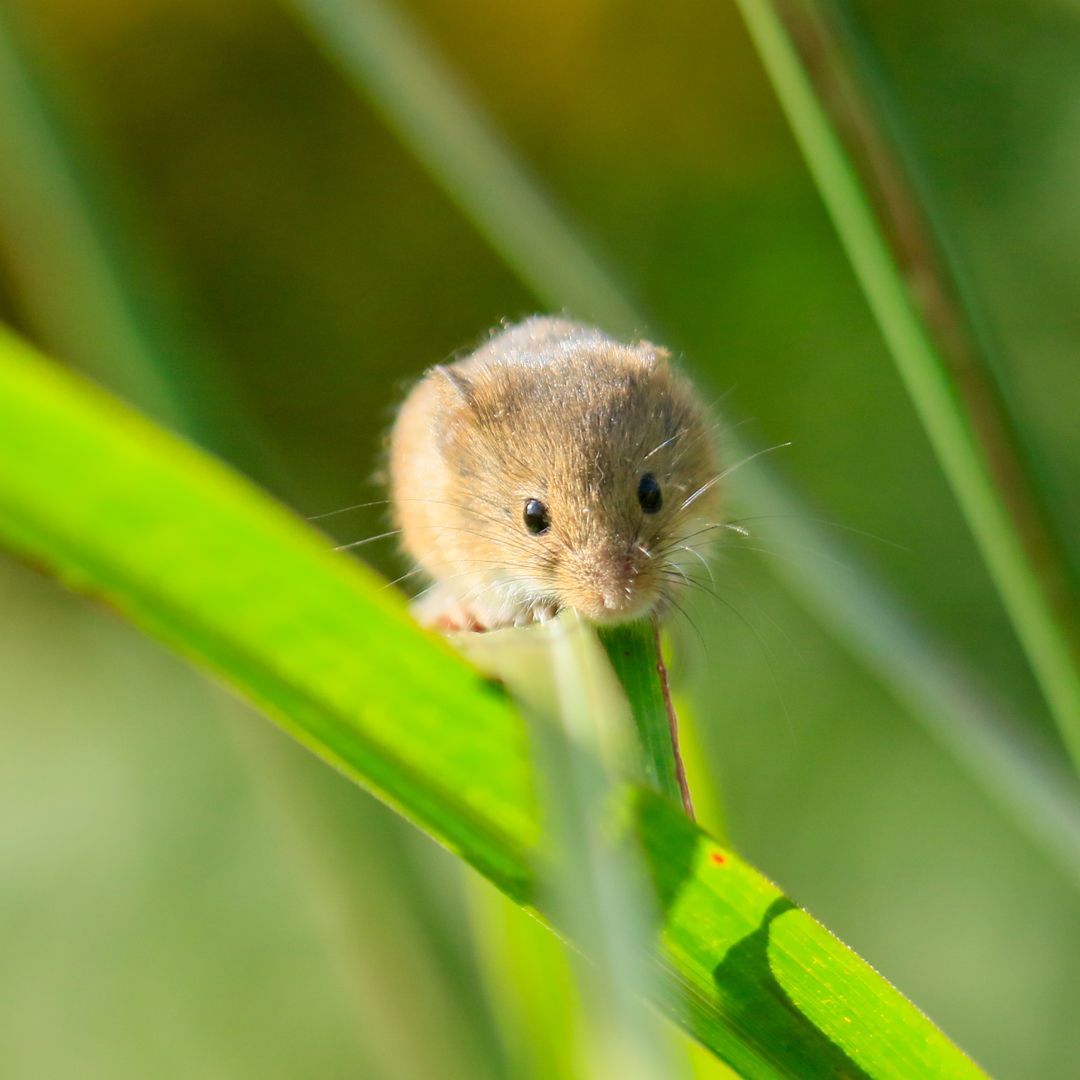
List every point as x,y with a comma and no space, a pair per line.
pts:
635,654
1041,612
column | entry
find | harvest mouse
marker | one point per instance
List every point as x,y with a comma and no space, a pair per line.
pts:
552,468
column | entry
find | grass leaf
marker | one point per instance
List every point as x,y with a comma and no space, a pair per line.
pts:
952,390
194,554
634,653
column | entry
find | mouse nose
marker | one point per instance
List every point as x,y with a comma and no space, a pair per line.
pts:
615,591
604,585
614,599
615,588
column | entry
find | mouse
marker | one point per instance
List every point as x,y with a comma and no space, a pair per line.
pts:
554,468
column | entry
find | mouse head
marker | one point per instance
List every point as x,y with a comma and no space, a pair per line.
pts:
589,478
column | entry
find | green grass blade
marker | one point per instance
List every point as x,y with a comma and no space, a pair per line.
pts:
584,749
632,651
412,91
52,223
194,554
959,413
70,226
211,542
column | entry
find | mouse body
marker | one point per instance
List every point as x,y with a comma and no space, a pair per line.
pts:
552,468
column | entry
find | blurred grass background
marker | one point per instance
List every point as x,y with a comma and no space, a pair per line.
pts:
183,893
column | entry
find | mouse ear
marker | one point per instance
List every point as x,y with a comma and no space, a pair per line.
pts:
453,388
656,356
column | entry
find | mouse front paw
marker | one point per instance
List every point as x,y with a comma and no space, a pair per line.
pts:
444,611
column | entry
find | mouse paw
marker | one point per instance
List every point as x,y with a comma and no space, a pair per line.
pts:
459,620
442,610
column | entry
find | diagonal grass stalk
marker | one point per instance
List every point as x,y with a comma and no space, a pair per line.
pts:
956,401
194,554
71,229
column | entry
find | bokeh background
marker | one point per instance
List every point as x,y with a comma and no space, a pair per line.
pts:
183,892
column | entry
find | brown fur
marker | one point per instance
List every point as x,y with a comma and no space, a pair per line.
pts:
555,411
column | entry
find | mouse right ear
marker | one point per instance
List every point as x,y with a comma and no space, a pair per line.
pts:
453,387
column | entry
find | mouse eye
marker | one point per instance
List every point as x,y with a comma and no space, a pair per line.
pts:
648,494
537,519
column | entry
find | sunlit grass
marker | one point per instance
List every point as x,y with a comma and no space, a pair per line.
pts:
198,557
506,205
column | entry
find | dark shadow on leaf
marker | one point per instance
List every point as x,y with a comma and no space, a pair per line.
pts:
758,1004
752,1000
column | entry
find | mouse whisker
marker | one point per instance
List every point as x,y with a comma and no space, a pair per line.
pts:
408,574
367,540
694,626
736,525
475,532
703,546
679,570
440,581
465,509
774,553
697,555
346,509
742,530
729,470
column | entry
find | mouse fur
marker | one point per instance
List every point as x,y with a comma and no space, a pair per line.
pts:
552,413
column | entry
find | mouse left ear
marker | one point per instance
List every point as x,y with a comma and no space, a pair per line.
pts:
656,356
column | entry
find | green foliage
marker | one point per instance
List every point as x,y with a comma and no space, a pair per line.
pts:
954,395
633,653
233,162
195,555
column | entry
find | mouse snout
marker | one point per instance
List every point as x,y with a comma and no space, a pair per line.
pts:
612,599
606,587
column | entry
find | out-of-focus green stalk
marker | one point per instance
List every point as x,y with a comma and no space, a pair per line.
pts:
92,287
67,261
88,276
529,980
421,101
957,409
600,887
389,63
587,707
582,732
704,787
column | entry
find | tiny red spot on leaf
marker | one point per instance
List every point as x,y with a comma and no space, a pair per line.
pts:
718,858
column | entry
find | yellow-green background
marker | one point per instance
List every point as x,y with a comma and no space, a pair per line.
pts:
182,893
